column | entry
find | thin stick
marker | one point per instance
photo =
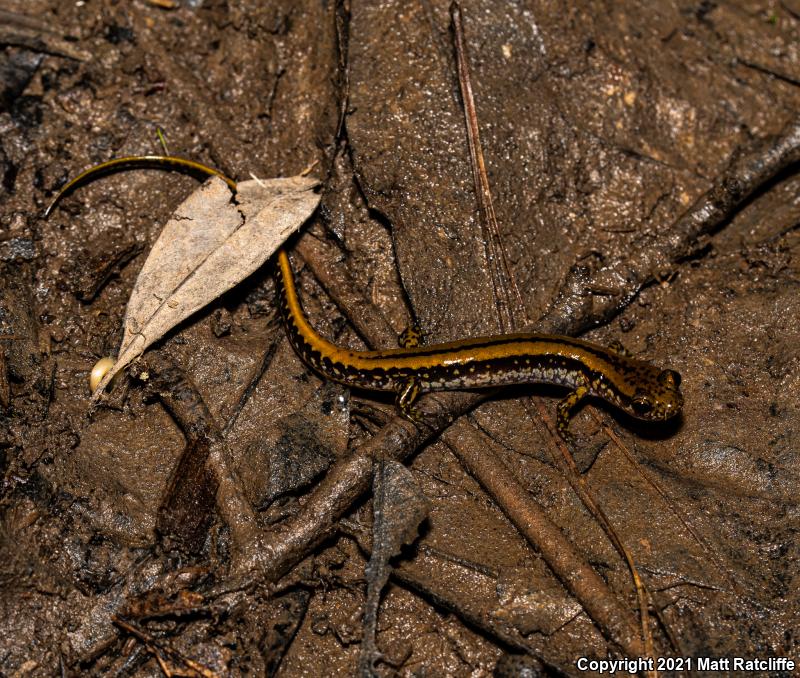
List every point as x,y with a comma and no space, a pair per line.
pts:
667,500
580,487
511,312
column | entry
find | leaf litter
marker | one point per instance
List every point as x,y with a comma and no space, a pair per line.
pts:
212,242
399,508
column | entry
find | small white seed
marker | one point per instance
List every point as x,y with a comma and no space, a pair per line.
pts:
101,367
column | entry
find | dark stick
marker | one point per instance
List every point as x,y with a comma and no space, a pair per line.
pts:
510,311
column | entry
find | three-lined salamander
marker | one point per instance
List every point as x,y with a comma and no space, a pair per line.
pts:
634,386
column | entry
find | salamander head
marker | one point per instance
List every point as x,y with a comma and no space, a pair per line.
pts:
657,395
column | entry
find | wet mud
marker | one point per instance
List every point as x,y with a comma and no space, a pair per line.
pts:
215,516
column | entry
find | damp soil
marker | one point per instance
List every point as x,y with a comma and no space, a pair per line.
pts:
601,123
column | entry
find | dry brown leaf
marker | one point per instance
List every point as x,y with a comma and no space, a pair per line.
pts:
212,242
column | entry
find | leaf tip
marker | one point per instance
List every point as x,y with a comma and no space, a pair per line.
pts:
104,374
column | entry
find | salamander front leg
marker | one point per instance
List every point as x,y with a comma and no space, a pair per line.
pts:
616,346
565,408
406,397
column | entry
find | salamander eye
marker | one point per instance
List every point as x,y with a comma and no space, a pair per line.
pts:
642,405
670,379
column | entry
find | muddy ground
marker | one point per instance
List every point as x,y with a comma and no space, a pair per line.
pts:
601,124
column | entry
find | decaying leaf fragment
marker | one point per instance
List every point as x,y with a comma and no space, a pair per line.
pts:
212,242
399,507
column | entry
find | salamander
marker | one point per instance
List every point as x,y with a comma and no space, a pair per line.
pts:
636,387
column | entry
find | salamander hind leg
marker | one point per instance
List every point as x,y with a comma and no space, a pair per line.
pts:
406,397
565,408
